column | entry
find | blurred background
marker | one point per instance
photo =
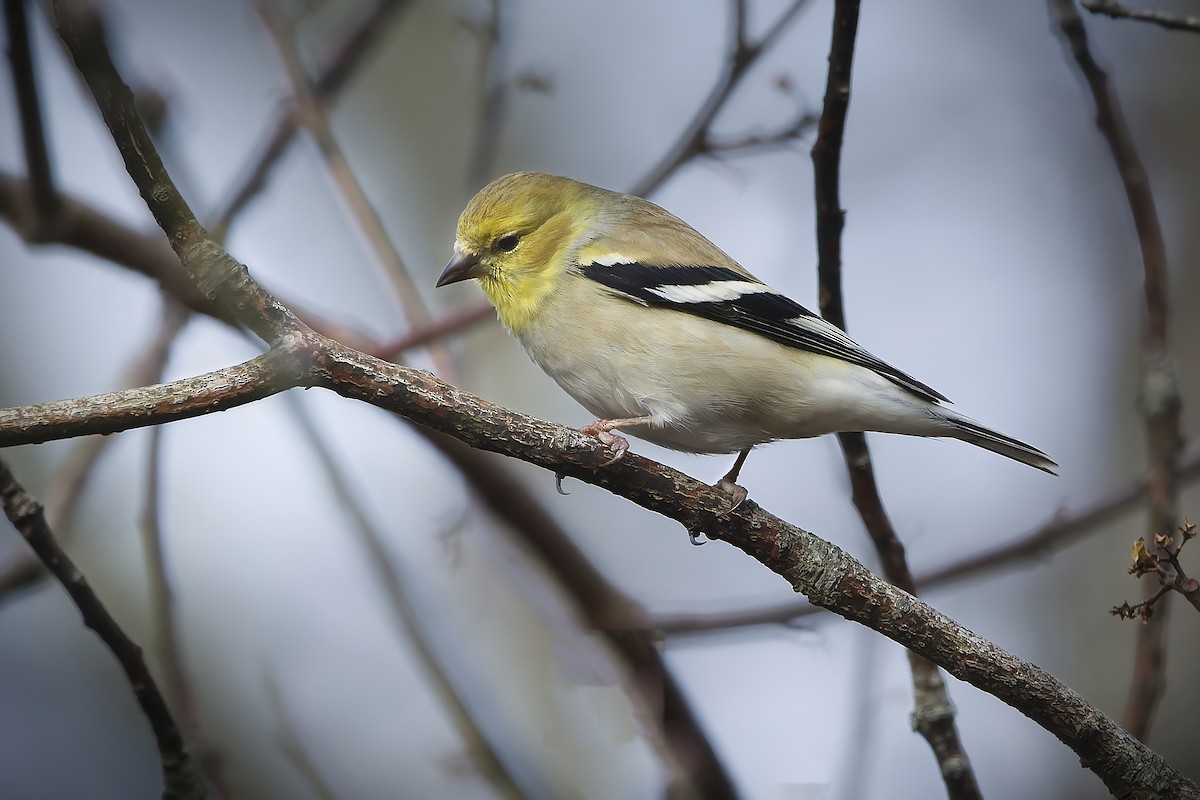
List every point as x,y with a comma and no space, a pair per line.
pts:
361,612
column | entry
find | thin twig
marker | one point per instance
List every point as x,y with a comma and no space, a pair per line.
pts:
33,134
1160,398
933,712
180,777
1111,8
314,116
341,66
741,55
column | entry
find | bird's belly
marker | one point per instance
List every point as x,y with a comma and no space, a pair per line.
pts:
686,413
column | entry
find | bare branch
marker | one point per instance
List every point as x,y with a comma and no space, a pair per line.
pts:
933,712
741,56
1029,548
1160,398
162,602
493,89
504,777
33,135
262,376
23,569
329,82
1111,8
314,116
181,780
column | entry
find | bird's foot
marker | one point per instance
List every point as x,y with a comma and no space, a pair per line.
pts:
736,494
602,429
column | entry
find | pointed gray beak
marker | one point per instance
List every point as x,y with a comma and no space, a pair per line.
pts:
462,267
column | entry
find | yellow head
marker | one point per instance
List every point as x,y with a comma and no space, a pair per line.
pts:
516,237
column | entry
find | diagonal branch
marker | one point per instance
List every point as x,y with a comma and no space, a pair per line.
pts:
933,712
181,780
330,80
1111,8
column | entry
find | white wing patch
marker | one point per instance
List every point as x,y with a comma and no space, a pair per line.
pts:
611,260
711,292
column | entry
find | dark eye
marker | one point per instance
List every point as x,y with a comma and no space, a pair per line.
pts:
506,244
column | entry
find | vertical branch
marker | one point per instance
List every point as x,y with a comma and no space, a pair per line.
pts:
181,780
33,135
493,91
933,713
162,600
1160,399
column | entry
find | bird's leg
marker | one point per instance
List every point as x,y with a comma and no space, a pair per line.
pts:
728,484
603,429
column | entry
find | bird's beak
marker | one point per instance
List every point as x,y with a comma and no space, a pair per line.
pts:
461,267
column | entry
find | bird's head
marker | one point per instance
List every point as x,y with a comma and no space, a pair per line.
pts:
516,236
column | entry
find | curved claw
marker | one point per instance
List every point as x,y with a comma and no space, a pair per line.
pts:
558,479
696,538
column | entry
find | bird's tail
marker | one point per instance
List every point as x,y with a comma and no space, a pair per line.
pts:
971,431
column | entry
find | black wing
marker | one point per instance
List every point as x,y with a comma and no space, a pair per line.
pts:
723,295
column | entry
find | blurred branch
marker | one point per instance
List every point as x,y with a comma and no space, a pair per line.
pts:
329,81
44,205
22,569
697,139
1030,547
933,712
161,596
829,576
509,779
314,116
493,91
1160,399
181,780
1111,8
607,609
1162,561
456,320
290,743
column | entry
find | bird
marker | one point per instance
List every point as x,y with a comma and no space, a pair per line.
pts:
659,334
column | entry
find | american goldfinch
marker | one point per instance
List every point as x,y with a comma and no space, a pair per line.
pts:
658,333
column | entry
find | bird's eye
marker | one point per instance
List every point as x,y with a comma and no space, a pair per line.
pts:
506,244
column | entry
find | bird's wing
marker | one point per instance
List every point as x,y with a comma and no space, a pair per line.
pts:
734,298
